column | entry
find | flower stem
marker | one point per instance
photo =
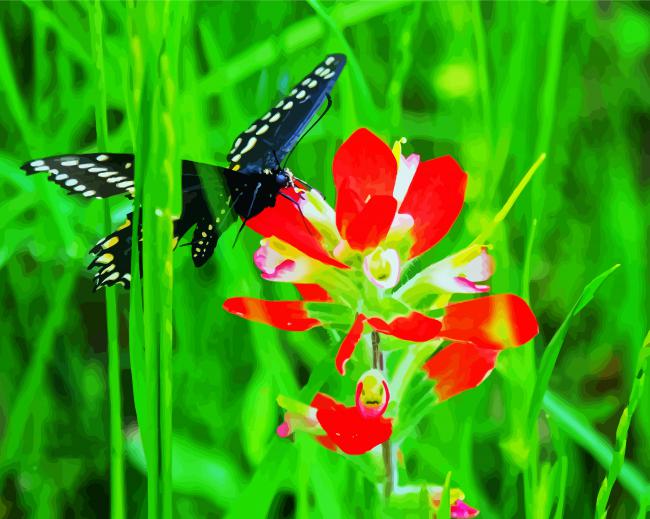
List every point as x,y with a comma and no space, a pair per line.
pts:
386,450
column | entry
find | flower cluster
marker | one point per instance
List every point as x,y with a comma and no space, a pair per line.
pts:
348,264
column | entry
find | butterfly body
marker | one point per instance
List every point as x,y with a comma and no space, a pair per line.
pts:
251,183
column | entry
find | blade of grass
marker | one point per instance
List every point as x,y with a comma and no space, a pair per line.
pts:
362,85
159,165
576,426
32,380
483,75
118,505
444,510
552,351
622,431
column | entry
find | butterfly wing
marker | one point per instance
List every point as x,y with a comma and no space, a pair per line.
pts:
277,131
97,175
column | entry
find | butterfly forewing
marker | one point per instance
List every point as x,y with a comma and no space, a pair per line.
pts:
93,175
275,133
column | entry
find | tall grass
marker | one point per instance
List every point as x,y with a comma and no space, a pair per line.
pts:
495,85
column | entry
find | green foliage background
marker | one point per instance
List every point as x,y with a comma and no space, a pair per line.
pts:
492,84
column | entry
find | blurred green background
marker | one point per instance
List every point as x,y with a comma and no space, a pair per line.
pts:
493,84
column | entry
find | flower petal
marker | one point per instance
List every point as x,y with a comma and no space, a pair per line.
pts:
372,224
313,292
459,367
363,166
415,327
279,261
461,510
285,222
286,315
460,273
405,173
349,430
434,200
496,322
382,268
349,343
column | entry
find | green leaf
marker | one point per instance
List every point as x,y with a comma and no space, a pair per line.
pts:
444,510
549,358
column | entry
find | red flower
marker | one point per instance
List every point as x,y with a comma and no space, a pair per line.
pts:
480,329
389,209
353,430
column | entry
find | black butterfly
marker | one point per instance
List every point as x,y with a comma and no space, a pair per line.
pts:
252,182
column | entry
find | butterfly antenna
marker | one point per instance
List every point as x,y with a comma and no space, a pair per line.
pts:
250,210
327,108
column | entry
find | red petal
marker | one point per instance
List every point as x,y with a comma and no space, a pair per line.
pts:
286,315
459,367
365,166
414,327
285,222
497,322
434,200
313,292
350,431
348,205
349,343
372,224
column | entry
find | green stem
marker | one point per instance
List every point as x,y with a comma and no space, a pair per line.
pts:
118,507
386,448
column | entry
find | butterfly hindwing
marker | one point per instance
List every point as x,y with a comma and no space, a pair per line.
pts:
113,257
93,175
204,240
273,135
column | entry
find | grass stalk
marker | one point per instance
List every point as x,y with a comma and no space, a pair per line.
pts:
575,425
118,505
618,455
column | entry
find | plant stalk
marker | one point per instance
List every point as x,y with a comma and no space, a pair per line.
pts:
386,450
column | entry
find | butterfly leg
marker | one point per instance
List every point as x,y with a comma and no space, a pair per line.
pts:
250,210
304,220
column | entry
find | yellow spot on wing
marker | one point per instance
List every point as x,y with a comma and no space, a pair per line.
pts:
236,167
109,243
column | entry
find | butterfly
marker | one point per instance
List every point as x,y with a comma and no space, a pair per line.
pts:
252,182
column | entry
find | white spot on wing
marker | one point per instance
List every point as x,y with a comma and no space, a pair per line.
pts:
102,157
62,176
107,174
126,183
329,60
301,94
89,193
319,70
330,75
305,81
274,118
86,166
96,170
312,83
251,129
71,182
70,162
236,158
288,106
42,168
80,188
36,163
263,129
249,145
266,116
